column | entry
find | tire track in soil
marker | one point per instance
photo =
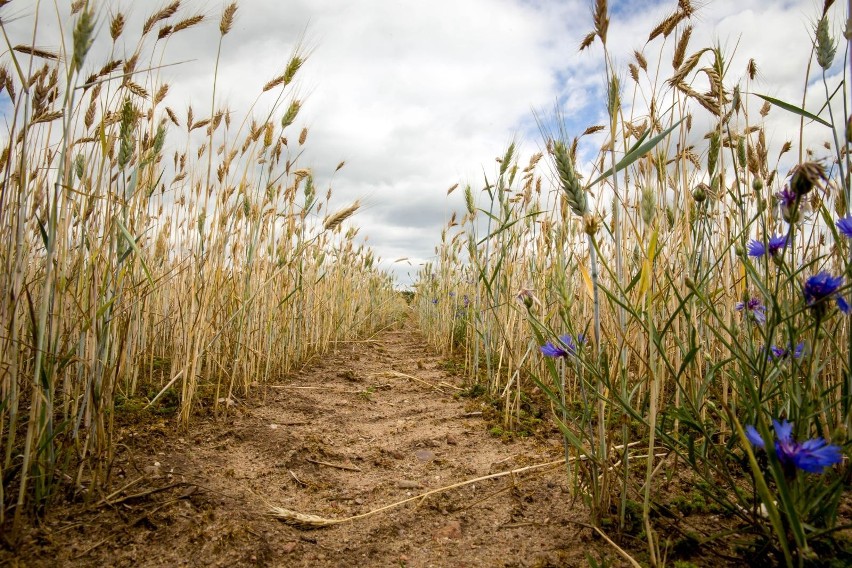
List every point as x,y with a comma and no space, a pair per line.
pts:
395,437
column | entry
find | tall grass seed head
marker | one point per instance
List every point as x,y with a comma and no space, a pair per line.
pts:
713,152
826,46
648,205
468,200
568,177
83,37
613,96
292,112
227,20
741,152
126,138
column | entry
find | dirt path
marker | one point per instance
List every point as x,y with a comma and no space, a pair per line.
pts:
370,425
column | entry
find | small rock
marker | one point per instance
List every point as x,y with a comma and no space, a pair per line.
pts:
409,484
451,530
424,455
289,547
451,441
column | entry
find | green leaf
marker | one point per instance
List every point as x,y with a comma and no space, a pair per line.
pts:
794,109
637,152
132,242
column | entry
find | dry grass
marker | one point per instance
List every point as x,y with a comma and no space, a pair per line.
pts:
148,253
650,273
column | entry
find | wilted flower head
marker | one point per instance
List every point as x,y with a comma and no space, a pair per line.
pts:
527,298
812,456
563,347
845,227
820,289
805,176
754,308
758,248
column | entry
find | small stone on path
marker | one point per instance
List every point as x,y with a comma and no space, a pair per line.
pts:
451,530
424,455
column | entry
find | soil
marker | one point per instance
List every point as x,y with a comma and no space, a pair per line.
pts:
374,423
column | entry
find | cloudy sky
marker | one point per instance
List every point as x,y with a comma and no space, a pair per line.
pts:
417,95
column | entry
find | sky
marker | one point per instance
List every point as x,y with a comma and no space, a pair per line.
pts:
416,96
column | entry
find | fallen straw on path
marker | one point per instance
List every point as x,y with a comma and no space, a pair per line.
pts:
398,375
307,522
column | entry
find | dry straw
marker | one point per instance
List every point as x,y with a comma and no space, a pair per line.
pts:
307,521
154,259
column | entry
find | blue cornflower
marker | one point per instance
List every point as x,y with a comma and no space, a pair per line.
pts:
812,456
783,352
753,307
786,197
820,288
564,347
758,248
788,201
434,300
845,226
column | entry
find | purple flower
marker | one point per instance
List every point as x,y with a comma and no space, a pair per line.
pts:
789,202
812,456
845,226
563,347
758,248
783,352
754,437
753,307
786,197
435,300
555,351
822,287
